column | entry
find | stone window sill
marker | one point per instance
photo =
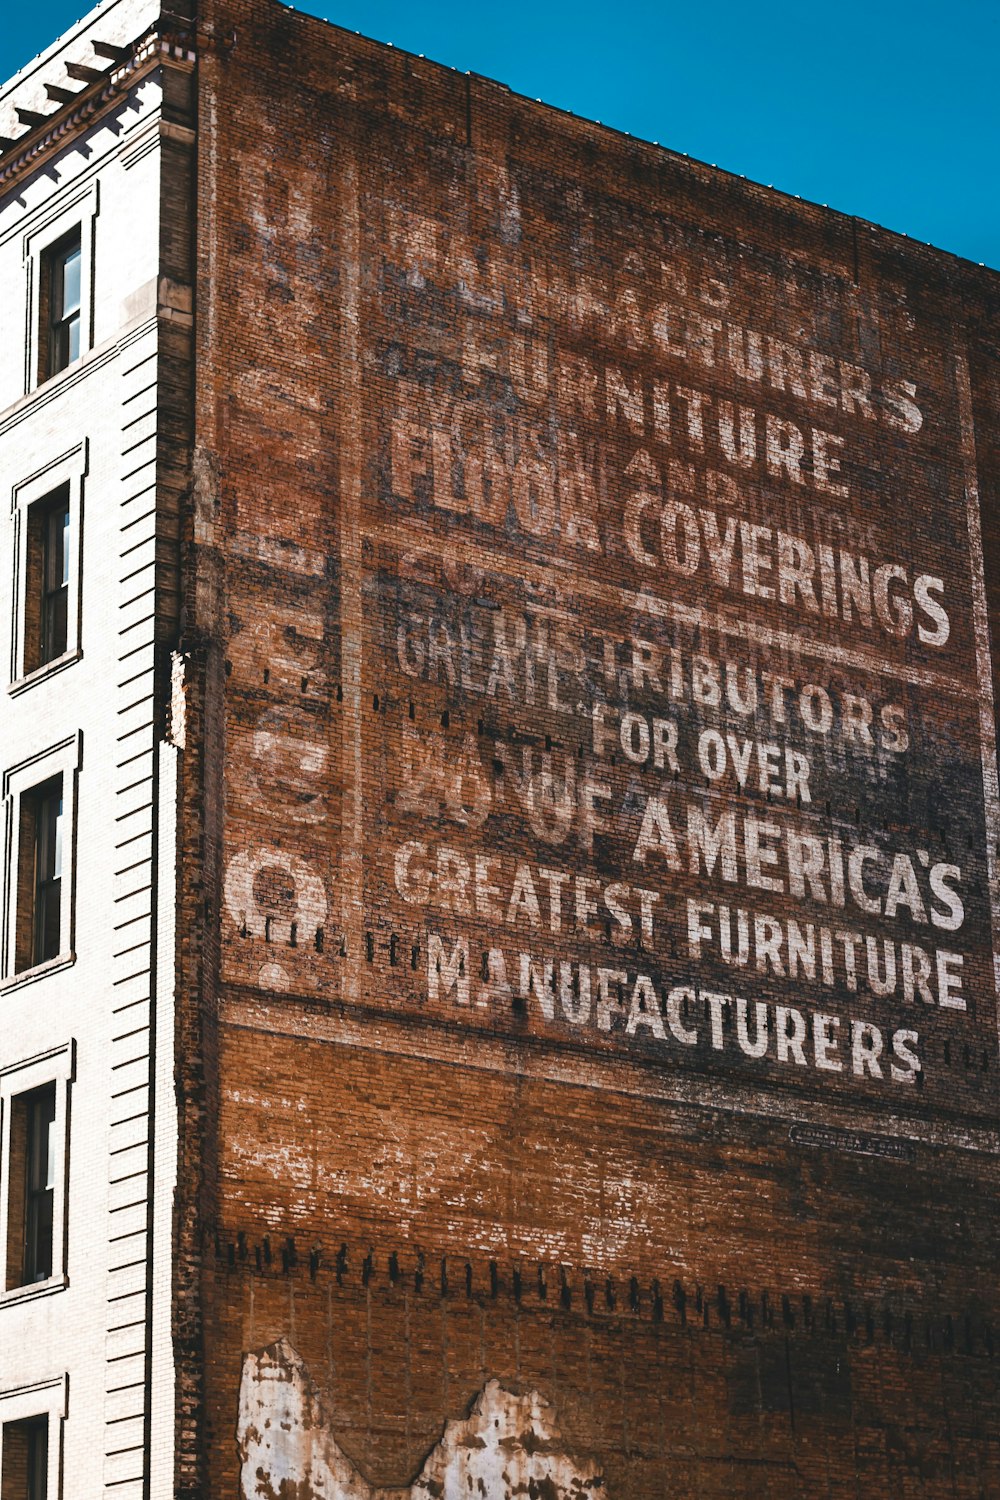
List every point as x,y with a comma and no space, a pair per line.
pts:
18,1294
42,674
39,971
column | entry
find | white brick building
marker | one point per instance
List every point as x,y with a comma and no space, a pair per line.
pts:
85,534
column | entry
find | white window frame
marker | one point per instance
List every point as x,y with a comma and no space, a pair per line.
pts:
63,759
79,212
42,1398
70,468
57,1066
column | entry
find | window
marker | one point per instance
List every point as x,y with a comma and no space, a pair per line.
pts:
48,517
26,1460
31,1423
54,550
46,605
59,299
39,896
34,1099
39,815
57,247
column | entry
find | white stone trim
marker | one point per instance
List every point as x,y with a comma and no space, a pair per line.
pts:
81,210
43,1398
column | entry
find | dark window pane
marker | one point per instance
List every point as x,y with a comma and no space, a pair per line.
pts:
55,626
48,876
39,1184
55,576
60,347
48,923
63,264
38,1460
25,1460
39,927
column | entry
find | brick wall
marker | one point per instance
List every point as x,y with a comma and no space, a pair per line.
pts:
589,645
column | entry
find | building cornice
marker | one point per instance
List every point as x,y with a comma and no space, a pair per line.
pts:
158,46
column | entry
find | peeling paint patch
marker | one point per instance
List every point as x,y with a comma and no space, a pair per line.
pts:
508,1448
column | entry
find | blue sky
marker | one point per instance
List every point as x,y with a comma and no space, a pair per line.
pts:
885,109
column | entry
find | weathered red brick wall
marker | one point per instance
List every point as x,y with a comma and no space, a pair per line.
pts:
586,550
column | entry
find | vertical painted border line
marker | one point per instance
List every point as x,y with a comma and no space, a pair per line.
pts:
351,617
984,665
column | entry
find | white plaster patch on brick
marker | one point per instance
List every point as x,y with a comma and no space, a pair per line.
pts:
178,702
284,1442
508,1446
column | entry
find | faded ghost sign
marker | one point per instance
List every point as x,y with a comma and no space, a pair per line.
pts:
509,1445
655,657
